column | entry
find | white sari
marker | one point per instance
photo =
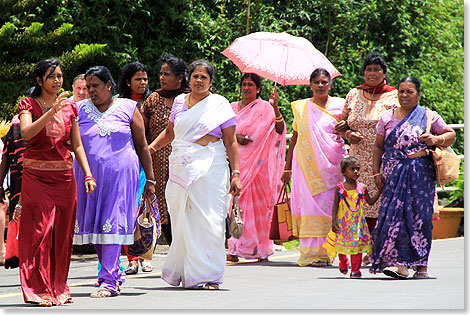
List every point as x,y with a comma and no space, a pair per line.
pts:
197,197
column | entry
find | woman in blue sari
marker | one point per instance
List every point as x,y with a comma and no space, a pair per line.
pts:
403,235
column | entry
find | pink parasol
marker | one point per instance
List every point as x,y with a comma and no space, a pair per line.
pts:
280,57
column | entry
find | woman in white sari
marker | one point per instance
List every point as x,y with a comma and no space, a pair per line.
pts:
198,188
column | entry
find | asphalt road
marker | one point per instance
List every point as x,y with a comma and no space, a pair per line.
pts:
278,284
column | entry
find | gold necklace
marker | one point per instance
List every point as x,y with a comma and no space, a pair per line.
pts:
189,97
42,104
369,101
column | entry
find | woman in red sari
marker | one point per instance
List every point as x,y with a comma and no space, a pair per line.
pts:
49,197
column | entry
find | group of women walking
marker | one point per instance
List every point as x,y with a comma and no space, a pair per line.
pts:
193,149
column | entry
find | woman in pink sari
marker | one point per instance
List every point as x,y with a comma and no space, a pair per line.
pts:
313,159
261,134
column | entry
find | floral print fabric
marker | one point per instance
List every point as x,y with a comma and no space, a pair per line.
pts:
403,232
353,237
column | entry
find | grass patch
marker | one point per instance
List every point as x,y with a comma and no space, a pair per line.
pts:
291,245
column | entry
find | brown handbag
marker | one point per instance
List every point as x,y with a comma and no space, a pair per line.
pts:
236,219
446,162
281,222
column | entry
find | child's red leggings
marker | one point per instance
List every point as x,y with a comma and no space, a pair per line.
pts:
356,261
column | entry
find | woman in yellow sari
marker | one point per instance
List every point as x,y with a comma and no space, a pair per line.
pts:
315,152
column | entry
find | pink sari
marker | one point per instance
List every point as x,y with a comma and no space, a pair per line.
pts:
261,167
315,174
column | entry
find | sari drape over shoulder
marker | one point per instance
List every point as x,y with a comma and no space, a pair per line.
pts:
315,174
403,233
261,167
197,196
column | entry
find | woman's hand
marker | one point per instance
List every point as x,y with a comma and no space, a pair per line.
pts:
335,226
243,139
379,181
286,177
16,214
149,191
355,137
430,139
90,186
60,102
341,126
274,96
235,185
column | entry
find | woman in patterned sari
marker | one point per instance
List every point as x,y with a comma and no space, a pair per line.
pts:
314,156
201,130
403,235
156,111
261,135
364,106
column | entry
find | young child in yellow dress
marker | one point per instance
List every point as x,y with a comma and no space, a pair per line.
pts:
348,219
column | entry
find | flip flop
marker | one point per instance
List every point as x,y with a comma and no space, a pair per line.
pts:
394,273
421,275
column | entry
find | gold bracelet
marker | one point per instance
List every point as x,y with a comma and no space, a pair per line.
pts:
279,120
443,140
235,172
346,134
152,148
287,171
376,174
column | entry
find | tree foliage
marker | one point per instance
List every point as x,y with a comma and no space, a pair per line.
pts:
420,38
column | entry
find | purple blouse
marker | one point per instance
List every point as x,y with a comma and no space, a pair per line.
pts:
179,107
387,122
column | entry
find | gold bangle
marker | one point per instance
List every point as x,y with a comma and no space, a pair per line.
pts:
443,140
376,174
152,148
346,134
287,171
279,119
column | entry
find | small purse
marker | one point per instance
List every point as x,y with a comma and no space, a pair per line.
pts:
147,230
236,219
446,162
281,222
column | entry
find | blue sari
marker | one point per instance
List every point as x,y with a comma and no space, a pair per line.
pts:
403,233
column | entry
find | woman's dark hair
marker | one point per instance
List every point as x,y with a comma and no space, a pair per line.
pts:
177,66
126,75
412,80
41,70
318,72
103,74
345,162
256,79
202,63
374,59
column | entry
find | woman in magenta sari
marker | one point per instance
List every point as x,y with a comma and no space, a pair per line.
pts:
261,134
314,156
403,235
49,190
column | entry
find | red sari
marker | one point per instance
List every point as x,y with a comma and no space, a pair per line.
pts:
49,202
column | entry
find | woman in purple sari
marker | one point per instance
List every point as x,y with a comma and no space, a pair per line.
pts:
403,235
112,131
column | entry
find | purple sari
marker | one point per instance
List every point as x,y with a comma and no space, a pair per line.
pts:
403,233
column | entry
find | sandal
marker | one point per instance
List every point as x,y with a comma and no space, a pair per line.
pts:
394,272
45,303
355,275
343,271
131,269
102,293
263,259
146,266
232,258
421,275
320,263
69,301
210,286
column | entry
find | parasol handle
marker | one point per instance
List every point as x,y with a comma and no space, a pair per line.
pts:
271,101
